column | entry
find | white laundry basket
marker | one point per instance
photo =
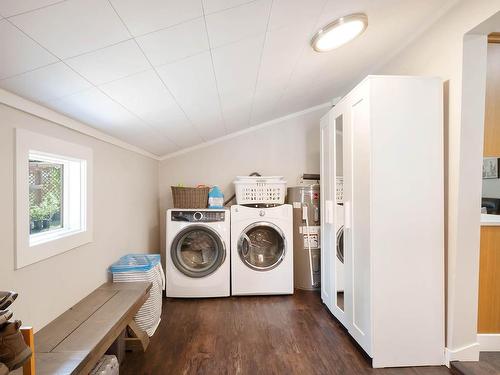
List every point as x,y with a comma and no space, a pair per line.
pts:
260,189
143,267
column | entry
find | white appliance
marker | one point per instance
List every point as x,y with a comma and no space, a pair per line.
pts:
385,138
197,253
261,250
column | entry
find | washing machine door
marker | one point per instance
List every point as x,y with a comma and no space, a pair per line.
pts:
198,251
262,246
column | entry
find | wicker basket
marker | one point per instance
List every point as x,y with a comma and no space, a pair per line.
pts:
189,197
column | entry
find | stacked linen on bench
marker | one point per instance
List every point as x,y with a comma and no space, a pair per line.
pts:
143,267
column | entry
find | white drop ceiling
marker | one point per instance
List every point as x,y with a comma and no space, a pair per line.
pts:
164,75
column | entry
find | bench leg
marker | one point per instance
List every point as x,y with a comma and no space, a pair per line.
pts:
118,347
138,340
29,339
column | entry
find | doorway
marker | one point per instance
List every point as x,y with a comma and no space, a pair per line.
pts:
488,322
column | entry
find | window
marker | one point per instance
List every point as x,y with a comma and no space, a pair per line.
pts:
53,196
46,195
56,202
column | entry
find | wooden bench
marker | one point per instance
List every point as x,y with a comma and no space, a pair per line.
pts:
75,341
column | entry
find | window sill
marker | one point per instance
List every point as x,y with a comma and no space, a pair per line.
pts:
490,220
54,235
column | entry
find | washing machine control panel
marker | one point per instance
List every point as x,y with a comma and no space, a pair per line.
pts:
202,216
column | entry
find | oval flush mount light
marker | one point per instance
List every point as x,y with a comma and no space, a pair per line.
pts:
339,32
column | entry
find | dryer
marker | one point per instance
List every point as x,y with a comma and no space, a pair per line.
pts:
197,259
261,250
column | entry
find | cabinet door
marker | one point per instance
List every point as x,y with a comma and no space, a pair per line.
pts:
337,265
326,211
358,254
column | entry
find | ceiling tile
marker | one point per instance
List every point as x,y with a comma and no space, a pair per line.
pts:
110,63
335,9
264,104
12,7
176,42
96,109
99,111
153,144
192,82
241,60
295,12
73,27
236,110
145,16
145,95
237,65
212,6
282,49
45,84
237,23
19,53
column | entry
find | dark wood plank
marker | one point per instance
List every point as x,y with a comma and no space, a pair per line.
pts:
57,363
90,330
136,285
57,330
119,310
489,364
254,335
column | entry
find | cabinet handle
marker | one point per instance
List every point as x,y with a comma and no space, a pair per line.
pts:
347,214
329,212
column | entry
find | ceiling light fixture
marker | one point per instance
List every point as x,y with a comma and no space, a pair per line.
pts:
339,32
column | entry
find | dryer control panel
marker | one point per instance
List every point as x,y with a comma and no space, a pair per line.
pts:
202,216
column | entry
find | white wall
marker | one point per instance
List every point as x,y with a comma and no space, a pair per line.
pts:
125,220
287,148
440,52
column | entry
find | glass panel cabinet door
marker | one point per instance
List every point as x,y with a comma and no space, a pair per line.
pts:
339,209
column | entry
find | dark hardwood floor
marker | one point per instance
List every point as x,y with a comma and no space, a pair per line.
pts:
489,364
254,335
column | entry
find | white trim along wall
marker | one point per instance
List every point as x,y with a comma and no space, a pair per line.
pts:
489,342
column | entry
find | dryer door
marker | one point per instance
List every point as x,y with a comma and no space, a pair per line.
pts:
197,251
262,246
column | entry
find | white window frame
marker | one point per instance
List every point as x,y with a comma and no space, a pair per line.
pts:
77,227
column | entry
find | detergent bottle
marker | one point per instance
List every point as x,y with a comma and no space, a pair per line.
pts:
215,198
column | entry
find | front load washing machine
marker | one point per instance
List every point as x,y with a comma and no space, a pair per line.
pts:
197,253
261,250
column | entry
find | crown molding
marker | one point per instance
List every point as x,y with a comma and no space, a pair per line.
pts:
14,101
245,131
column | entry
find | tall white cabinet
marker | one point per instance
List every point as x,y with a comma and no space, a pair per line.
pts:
385,142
